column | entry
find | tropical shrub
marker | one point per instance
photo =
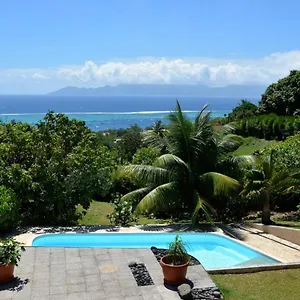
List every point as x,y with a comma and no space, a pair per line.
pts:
263,182
9,209
145,156
269,127
122,214
286,157
10,251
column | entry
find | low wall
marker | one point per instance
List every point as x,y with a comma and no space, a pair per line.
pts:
289,234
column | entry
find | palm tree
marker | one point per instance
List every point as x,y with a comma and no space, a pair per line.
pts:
186,177
262,181
156,137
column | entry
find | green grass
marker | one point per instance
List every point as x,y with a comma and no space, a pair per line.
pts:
97,214
251,144
292,224
279,222
269,285
98,211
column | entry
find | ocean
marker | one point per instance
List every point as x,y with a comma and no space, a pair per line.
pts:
102,113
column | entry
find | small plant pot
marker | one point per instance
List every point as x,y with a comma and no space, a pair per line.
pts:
6,273
173,274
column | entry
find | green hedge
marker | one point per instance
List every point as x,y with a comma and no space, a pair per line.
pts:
269,127
9,209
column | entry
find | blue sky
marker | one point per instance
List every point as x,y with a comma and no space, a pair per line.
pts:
49,44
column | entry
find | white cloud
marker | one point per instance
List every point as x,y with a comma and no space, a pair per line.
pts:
213,72
39,76
207,71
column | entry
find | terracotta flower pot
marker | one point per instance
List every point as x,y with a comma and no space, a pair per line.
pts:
173,274
6,273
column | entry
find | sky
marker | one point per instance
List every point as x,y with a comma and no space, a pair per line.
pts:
49,44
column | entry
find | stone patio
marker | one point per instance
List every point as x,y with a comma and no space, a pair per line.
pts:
90,274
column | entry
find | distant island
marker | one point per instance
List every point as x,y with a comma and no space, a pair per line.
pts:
242,91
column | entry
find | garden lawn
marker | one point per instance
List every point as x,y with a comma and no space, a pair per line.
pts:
98,211
251,144
269,285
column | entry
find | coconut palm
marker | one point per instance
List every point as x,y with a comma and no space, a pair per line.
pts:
186,177
262,181
156,137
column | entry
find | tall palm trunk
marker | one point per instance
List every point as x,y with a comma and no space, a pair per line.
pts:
266,212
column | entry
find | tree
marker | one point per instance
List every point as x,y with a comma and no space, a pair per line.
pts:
186,177
130,142
156,137
52,168
243,110
283,97
262,181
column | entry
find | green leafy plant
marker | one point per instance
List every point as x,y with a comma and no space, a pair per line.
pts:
177,252
122,215
10,251
9,209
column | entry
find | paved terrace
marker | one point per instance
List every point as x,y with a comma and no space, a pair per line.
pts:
90,274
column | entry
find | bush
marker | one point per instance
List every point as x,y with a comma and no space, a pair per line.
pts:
145,156
269,127
122,215
9,209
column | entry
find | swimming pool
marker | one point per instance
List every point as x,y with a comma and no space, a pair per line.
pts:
212,250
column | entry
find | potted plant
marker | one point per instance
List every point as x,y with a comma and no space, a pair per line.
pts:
10,254
175,263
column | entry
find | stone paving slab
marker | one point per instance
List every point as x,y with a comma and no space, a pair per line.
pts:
90,274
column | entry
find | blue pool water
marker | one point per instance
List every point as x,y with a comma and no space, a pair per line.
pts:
212,250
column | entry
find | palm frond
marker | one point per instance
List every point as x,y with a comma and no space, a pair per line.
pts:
159,198
222,184
170,162
180,131
136,195
147,174
228,143
202,204
268,165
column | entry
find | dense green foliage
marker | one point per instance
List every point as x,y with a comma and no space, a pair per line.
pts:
10,251
244,109
122,214
286,154
53,167
263,182
130,142
9,209
269,127
283,97
145,156
51,172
